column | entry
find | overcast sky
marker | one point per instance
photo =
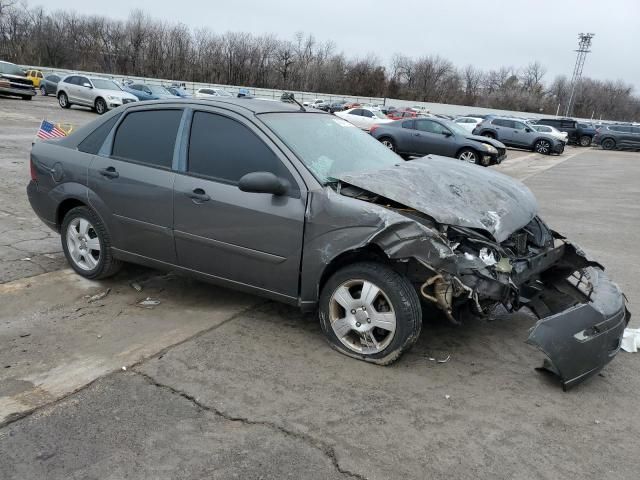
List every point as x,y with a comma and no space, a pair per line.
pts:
486,33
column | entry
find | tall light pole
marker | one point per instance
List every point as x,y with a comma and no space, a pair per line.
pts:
584,43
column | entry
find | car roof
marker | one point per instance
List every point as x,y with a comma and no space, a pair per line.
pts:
254,105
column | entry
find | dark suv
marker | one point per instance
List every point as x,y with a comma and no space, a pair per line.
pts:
301,207
578,132
618,136
517,133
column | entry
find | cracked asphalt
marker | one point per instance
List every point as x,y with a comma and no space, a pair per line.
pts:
212,383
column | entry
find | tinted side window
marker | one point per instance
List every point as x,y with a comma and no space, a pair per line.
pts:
93,141
567,124
367,113
430,126
357,111
410,124
148,137
226,150
519,125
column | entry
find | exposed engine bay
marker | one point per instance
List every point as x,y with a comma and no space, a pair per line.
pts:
460,269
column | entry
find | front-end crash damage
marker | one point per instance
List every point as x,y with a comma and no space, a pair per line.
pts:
582,314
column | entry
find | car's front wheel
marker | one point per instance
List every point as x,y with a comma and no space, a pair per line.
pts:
100,106
543,146
608,144
63,100
469,155
585,141
43,91
370,312
87,245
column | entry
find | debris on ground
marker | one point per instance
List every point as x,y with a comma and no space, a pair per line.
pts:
447,397
98,296
631,340
148,303
136,286
26,259
24,335
50,255
440,360
124,369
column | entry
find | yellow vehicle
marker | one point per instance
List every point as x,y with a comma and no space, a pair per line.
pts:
35,76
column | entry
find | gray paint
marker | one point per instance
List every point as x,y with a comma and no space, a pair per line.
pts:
454,193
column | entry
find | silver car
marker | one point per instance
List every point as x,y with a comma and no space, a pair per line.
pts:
518,133
100,94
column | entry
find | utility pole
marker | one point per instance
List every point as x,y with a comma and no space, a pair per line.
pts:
584,43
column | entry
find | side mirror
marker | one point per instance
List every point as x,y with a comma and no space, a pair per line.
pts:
447,134
528,130
263,182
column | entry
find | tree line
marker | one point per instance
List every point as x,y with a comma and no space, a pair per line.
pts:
143,46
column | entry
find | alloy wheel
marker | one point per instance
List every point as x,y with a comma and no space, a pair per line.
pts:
389,144
362,316
543,146
468,157
62,100
100,107
83,244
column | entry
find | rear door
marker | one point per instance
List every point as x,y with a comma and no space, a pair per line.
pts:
252,239
70,86
635,136
131,182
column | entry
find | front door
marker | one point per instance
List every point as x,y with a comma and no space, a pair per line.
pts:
252,239
432,137
132,186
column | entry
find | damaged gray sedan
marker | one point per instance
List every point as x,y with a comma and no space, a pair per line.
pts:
303,208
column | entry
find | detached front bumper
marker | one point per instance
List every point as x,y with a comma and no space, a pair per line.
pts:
580,340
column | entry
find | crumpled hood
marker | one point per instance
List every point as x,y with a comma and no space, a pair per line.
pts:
487,140
453,193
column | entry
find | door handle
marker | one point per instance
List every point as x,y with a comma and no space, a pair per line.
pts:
109,172
198,195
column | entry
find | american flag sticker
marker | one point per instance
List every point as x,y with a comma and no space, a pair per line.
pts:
48,130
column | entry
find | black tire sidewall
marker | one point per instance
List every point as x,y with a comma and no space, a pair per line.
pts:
100,101
401,294
608,144
105,263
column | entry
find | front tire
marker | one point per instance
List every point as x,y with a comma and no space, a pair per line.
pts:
542,146
63,100
608,144
43,91
585,141
469,155
370,312
100,106
87,244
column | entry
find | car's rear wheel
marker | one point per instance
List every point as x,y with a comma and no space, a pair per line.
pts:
488,135
43,91
585,141
370,312
608,144
100,106
389,143
469,155
543,146
63,100
87,244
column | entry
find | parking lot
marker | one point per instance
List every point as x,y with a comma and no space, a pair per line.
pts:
211,383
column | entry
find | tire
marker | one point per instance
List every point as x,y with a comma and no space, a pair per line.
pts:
63,100
389,143
43,91
542,146
100,106
396,306
87,230
488,135
585,141
608,144
469,155
26,97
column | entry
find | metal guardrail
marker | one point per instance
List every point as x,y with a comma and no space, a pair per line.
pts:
274,94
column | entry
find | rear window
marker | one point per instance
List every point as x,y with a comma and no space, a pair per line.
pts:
93,141
148,137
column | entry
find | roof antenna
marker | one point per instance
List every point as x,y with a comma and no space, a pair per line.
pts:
290,98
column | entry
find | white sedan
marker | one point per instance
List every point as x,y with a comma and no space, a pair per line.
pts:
468,123
212,92
364,118
554,132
